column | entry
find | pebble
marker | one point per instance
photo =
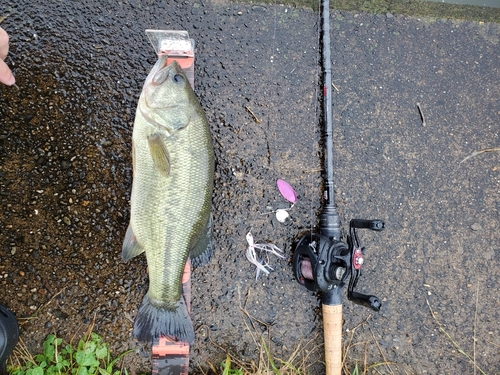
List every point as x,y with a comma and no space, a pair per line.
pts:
66,220
65,164
476,227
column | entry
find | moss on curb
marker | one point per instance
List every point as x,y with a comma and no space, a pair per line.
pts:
416,8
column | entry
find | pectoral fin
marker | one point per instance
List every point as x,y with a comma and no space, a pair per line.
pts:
131,247
159,153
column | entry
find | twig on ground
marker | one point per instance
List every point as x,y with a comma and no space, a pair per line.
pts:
34,315
386,362
361,323
475,153
474,335
422,117
253,114
460,350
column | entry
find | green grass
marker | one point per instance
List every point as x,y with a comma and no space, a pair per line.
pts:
227,370
304,357
90,356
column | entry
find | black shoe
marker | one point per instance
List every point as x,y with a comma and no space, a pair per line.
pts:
9,333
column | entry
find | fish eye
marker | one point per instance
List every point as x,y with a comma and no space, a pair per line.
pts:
178,78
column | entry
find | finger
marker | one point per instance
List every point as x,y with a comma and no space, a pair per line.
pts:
6,76
4,44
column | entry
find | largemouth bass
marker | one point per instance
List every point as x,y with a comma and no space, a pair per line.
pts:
173,167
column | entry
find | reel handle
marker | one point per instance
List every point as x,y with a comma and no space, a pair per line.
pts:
365,300
376,225
332,328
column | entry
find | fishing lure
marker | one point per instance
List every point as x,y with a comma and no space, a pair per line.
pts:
256,252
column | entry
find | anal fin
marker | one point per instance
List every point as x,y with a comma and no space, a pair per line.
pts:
202,251
130,247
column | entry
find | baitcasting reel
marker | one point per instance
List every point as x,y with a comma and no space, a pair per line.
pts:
323,264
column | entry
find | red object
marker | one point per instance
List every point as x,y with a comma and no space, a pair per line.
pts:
357,258
187,64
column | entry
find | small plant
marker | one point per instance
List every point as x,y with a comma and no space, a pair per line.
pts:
91,356
227,370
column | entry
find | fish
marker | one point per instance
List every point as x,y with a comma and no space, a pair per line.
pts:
171,198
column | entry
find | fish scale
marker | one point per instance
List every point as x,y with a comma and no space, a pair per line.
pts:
171,197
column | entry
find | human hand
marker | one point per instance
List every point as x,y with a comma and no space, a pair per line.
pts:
6,76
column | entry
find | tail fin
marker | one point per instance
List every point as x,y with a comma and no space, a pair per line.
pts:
152,322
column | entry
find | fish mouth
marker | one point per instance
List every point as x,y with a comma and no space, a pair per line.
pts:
163,71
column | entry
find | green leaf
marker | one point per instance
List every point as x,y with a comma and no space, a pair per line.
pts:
90,347
86,357
37,371
68,349
49,352
15,371
95,337
81,344
50,339
101,352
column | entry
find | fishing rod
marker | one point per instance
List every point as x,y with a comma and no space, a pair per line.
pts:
321,261
329,221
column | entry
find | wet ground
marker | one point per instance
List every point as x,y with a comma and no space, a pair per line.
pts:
65,174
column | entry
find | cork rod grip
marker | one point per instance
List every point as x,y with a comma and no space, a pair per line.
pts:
332,326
